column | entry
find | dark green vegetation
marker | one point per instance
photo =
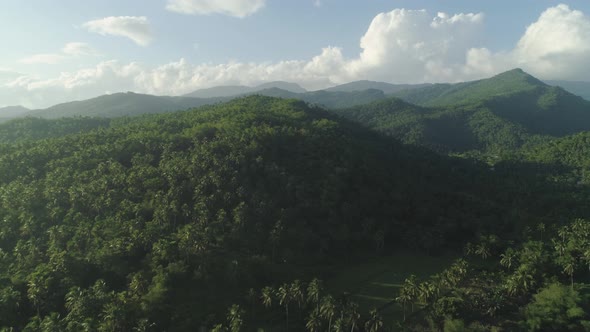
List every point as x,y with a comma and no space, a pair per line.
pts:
495,116
222,217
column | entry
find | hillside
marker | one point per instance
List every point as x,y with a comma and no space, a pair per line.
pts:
121,104
237,90
328,99
581,89
168,219
446,130
497,115
10,112
507,83
387,88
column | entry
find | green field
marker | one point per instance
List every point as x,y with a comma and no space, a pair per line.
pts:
375,283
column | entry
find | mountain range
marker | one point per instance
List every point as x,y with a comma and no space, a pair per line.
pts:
504,112
499,92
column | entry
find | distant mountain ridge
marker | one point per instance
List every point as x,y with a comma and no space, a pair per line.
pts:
236,90
514,96
501,113
579,88
121,104
387,88
12,111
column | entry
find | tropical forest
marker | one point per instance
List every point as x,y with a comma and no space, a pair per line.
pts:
437,179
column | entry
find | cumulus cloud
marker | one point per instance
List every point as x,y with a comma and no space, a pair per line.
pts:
136,28
557,45
46,58
70,50
77,49
236,8
401,46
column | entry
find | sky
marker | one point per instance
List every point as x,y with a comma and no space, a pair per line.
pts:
61,50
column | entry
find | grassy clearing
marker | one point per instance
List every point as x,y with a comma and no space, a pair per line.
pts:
375,283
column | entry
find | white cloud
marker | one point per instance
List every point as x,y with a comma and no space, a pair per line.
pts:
46,58
77,49
136,28
236,8
557,45
401,46
317,3
70,50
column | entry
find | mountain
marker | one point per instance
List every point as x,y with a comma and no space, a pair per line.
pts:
581,89
387,88
499,114
175,216
292,87
328,99
164,221
10,112
446,130
503,84
220,91
121,104
237,90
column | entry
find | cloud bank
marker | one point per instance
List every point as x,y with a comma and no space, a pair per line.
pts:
70,50
236,8
400,46
136,28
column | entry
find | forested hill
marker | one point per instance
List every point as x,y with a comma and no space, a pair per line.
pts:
507,83
165,220
497,115
121,104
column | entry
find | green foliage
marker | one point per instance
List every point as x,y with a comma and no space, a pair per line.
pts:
556,308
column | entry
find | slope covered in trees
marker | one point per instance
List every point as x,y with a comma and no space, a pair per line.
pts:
494,116
165,220
121,104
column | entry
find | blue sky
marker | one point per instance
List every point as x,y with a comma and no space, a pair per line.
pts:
80,49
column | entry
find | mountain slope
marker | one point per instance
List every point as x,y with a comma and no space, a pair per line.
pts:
165,220
502,112
387,88
237,90
581,89
10,112
507,83
446,130
328,99
121,104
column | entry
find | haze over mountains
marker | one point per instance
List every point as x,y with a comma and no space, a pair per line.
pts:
341,96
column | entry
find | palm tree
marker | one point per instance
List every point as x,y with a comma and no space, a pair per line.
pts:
297,292
234,318
586,257
328,309
314,322
285,297
267,295
353,315
410,289
314,291
508,258
403,298
427,291
375,323
482,250
569,266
